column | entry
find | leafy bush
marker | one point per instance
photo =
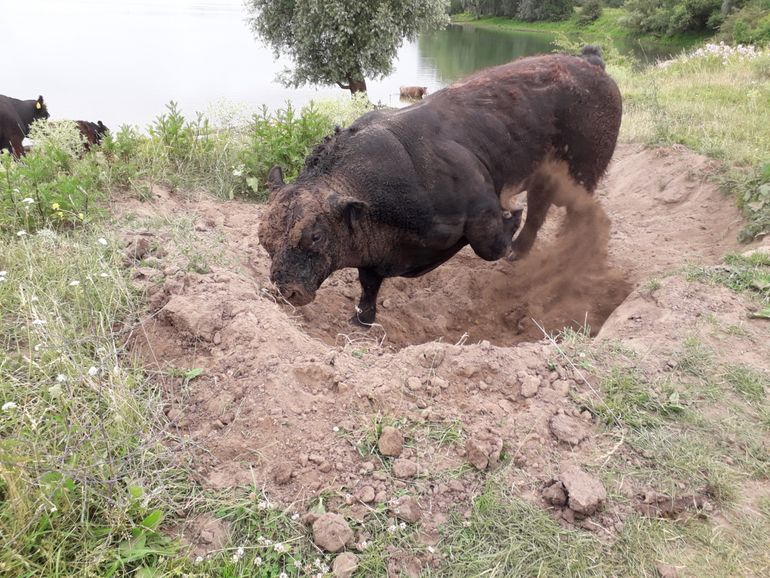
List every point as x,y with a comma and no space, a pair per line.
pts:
749,25
592,10
282,138
673,16
52,185
550,10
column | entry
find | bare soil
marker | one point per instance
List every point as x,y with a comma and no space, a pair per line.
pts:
290,399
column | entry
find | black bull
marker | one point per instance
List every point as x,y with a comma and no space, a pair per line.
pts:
399,192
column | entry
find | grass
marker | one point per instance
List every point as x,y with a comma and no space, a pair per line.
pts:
608,26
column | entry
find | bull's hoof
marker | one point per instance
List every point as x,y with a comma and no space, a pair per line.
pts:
363,319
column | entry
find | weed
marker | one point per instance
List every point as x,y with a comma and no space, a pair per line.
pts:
748,382
628,401
696,357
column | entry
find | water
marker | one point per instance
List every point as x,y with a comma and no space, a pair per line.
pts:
121,61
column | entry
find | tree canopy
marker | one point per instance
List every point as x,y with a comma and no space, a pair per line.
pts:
341,42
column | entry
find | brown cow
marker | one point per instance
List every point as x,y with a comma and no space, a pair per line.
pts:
413,92
16,116
92,132
401,191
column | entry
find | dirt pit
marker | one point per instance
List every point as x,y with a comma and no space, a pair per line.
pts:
289,400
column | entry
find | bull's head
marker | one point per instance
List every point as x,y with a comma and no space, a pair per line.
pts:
307,230
40,110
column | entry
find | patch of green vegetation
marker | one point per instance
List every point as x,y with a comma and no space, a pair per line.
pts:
609,25
740,273
628,401
751,384
696,357
505,536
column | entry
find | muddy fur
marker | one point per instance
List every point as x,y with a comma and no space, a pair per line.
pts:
401,191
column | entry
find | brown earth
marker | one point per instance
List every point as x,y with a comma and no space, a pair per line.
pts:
289,399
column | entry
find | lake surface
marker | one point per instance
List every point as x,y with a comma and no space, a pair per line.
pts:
121,61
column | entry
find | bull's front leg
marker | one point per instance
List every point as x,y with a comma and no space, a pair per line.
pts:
366,311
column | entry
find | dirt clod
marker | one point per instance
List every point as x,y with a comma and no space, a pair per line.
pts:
282,473
345,565
529,385
403,468
391,442
476,454
331,532
407,509
366,494
585,493
555,495
568,429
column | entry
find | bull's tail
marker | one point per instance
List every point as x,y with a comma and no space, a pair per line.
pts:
593,54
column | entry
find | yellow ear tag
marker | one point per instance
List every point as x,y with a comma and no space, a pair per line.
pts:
38,105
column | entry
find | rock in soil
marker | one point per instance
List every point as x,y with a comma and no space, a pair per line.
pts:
407,509
345,565
282,473
366,494
476,454
585,493
568,429
403,468
391,442
666,571
331,532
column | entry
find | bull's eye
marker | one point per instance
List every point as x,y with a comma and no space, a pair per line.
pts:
316,237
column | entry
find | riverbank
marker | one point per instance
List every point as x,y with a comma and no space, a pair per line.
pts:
607,26
153,427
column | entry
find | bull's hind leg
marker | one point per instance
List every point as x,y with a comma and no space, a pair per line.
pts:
490,232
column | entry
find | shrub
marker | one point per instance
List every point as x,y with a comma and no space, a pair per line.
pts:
551,10
591,11
54,185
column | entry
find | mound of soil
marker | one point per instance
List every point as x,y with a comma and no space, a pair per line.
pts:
287,397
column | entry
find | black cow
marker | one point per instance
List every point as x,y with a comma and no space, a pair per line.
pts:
16,116
92,132
400,192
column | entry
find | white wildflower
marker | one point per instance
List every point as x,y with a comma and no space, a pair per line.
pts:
283,575
38,322
335,429
198,559
103,275
295,517
21,233
262,505
8,405
392,529
278,547
74,283
297,564
54,509
402,525
92,371
258,561
55,390
61,378
102,241
363,545
39,346
28,201
34,299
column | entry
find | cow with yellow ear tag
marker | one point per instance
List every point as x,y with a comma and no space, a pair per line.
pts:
16,117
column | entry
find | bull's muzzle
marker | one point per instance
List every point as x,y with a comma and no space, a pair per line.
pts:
296,294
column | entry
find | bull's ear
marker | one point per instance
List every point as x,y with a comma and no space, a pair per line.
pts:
348,209
275,178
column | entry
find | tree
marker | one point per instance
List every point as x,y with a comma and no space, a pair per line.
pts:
342,42
553,10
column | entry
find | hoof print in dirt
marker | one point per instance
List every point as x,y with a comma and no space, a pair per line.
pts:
332,533
585,493
391,442
345,565
483,454
568,429
407,509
